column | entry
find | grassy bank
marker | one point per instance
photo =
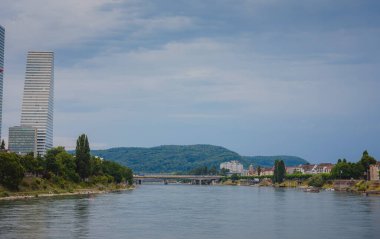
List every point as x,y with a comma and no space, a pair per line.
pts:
363,186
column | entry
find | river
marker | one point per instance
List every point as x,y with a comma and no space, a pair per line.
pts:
191,211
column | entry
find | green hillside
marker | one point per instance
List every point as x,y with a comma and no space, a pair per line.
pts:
176,158
268,161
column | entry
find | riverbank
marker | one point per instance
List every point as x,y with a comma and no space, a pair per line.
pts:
352,186
34,187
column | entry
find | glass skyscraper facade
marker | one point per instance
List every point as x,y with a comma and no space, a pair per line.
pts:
38,99
2,40
22,140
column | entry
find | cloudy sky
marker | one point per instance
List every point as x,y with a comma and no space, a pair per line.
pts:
260,77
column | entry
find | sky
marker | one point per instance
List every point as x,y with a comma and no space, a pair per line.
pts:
259,77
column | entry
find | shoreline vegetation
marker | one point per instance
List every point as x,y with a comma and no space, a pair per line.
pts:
35,187
344,176
312,182
95,189
60,173
351,186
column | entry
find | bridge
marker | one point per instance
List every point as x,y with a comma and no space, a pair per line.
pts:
165,178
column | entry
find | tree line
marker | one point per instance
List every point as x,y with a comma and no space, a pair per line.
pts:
349,170
57,162
342,170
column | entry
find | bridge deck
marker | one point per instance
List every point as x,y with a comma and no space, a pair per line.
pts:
161,176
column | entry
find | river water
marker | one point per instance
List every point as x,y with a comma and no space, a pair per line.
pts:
191,211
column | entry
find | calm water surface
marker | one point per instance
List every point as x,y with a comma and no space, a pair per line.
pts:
184,211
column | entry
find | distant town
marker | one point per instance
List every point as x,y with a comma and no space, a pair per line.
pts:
235,167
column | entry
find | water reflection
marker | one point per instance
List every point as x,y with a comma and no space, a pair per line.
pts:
81,215
178,211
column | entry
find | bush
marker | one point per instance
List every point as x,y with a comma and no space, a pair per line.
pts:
234,177
35,185
11,170
316,181
299,176
59,181
4,194
105,179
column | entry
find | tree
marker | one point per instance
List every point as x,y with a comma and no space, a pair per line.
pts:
213,171
202,170
82,156
316,181
234,177
2,147
258,170
279,171
67,166
347,170
51,159
11,170
96,166
117,171
30,163
224,171
366,161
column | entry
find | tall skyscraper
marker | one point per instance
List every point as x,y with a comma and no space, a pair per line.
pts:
37,104
2,40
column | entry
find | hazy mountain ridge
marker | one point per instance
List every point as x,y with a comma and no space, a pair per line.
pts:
182,158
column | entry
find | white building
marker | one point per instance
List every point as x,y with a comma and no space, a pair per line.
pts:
234,166
37,104
2,39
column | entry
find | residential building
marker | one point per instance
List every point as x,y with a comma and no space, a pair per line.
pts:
22,140
291,170
233,166
267,172
251,170
245,173
324,168
308,168
37,104
311,168
2,41
373,172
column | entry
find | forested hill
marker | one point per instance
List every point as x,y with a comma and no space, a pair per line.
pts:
268,161
176,158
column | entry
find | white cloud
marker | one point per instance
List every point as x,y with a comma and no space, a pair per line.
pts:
42,24
199,72
147,26
148,68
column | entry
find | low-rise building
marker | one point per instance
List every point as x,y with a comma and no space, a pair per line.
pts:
233,166
251,170
245,173
324,168
308,168
373,172
291,170
267,172
22,140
